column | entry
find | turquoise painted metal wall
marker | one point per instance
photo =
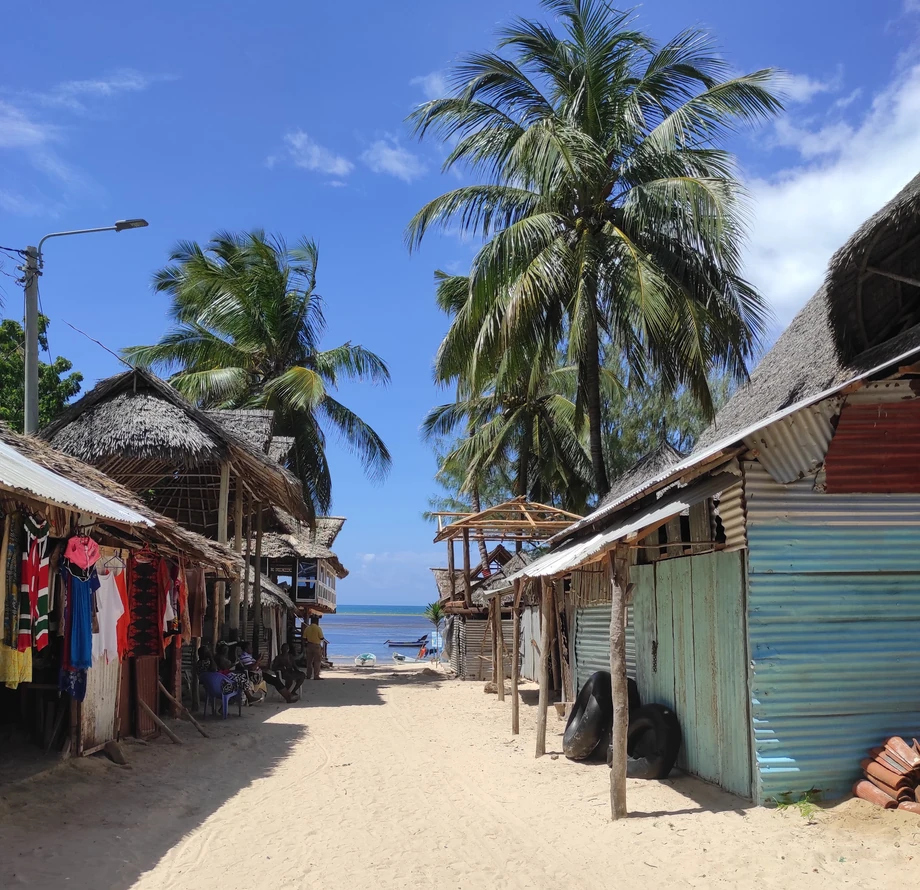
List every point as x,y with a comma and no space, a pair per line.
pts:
834,631
592,643
690,655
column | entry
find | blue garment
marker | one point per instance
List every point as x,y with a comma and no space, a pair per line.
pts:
81,625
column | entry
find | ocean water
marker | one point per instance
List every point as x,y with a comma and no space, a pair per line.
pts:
354,630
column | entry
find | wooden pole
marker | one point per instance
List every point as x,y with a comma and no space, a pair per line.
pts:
467,587
247,568
235,589
546,604
220,588
257,584
492,614
618,564
169,733
183,710
500,648
516,659
450,568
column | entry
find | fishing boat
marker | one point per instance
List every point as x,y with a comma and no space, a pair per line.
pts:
366,659
407,644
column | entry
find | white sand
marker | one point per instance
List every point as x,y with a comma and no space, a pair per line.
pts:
397,780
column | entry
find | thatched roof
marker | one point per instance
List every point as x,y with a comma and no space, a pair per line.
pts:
252,425
663,457
166,533
138,429
866,305
285,537
442,580
279,449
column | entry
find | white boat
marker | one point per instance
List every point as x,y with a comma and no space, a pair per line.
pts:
399,658
366,659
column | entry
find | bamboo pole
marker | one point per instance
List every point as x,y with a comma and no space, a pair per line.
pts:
220,587
450,568
467,586
182,710
618,564
170,734
499,648
235,592
257,584
516,659
494,637
247,568
545,643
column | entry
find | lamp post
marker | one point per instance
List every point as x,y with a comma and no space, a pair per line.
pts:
32,269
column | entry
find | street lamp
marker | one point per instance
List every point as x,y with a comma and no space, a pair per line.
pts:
32,269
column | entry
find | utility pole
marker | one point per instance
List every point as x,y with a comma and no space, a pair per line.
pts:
32,271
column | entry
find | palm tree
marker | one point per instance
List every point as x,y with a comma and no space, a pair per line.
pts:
247,330
609,212
435,614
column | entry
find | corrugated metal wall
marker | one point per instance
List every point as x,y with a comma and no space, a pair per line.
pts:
530,643
876,449
834,630
690,650
477,649
592,643
97,710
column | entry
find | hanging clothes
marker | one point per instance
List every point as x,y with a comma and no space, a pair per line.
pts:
15,666
110,609
80,600
124,619
34,591
146,604
185,621
197,600
12,560
167,578
71,680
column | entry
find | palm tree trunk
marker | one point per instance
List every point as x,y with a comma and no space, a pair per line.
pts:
591,364
477,508
520,483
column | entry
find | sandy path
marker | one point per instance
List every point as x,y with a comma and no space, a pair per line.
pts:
384,780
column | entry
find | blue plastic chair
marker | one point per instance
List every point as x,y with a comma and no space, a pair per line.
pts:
213,683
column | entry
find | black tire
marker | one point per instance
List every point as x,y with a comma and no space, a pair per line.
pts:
592,712
591,720
652,742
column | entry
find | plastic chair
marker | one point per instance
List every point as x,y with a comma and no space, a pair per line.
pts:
213,683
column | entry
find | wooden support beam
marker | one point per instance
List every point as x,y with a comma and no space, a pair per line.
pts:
235,588
467,586
618,566
169,733
182,710
247,568
499,649
450,568
196,694
257,584
675,544
546,615
220,588
516,658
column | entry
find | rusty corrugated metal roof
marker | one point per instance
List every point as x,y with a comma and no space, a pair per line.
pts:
876,450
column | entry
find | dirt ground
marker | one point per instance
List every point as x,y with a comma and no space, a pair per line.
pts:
396,779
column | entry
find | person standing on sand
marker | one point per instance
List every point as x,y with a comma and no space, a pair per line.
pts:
313,637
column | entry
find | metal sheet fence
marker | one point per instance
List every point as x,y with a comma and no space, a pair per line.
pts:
834,624
592,643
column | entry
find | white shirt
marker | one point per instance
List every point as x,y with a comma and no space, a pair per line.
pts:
111,609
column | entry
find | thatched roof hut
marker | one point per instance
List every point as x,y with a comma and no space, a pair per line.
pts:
165,533
286,537
873,281
139,430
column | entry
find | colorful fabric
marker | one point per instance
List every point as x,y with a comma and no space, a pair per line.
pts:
197,600
121,628
15,666
81,623
82,551
110,609
12,568
146,605
33,595
167,578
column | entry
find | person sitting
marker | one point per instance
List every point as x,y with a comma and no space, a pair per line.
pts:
221,664
285,666
252,664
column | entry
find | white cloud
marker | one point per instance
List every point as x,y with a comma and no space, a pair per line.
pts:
20,130
404,569
829,139
72,94
801,88
388,156
911,5
850,98
804,213
311,156
434,85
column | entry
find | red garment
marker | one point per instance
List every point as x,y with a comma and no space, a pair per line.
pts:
34,589
121,629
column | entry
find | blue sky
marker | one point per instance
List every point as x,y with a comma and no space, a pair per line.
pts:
200,119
